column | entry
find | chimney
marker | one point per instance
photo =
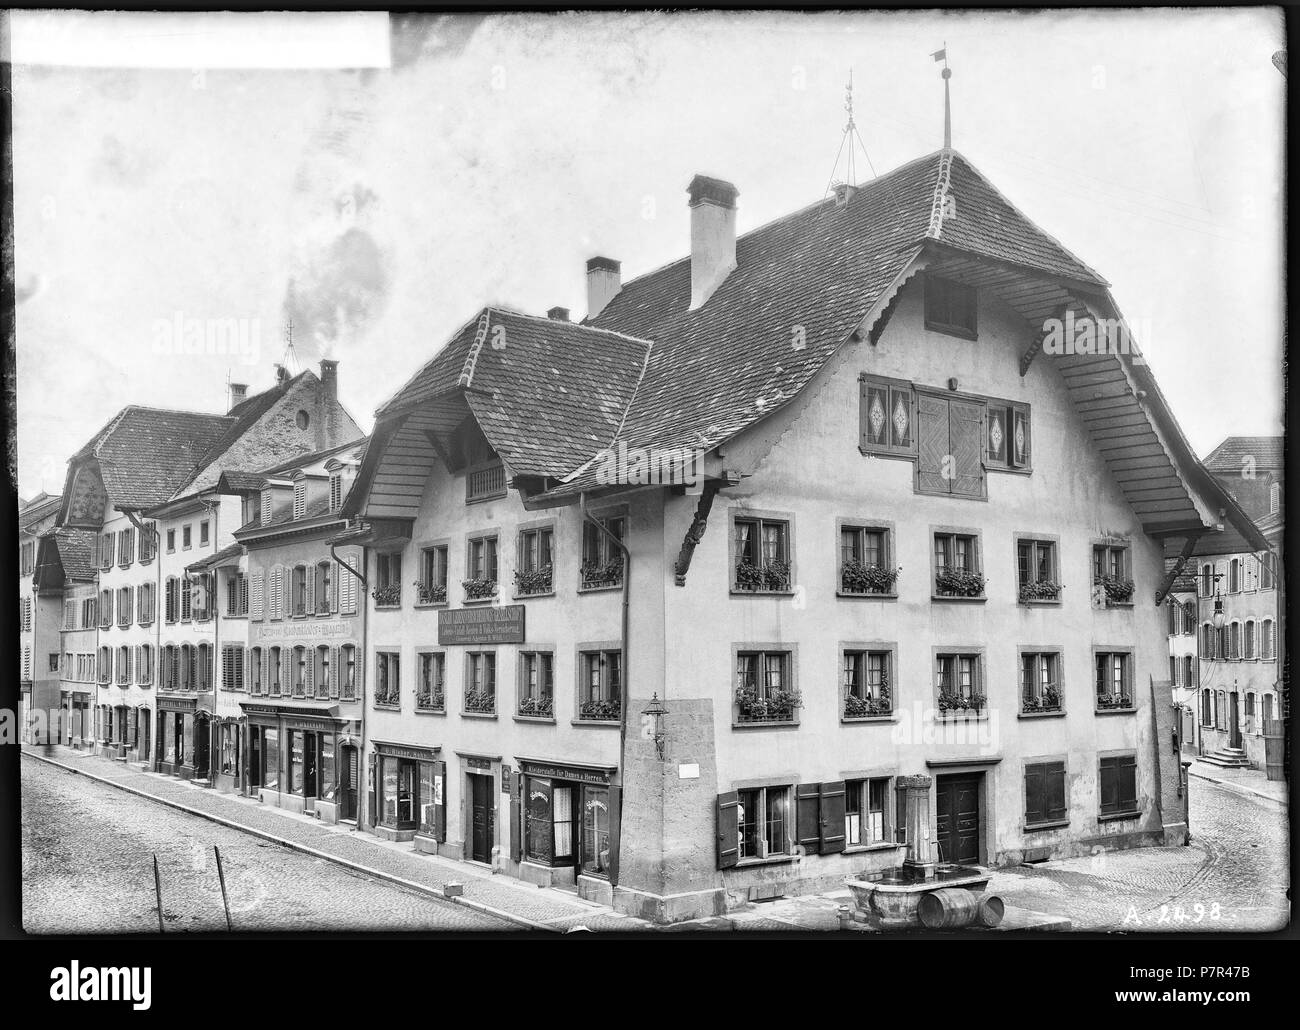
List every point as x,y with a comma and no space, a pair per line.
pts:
602,283
844,192
713,235
281,374
238,394
558,314
329,401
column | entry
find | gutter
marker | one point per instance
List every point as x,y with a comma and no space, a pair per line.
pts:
623,641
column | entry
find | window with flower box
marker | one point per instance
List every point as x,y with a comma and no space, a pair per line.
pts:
388,580
1038,580
600,685
959,683
1114,679
867,682
481,568
301,658
761,555
957,566
432,585
765,691
431,685
144,665
1112,583
1040,682
322,670
866,566
536,685
123,666
1045,794
602,561
534,568
480,683
388,679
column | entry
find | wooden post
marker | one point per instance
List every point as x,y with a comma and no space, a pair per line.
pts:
157,890
221,876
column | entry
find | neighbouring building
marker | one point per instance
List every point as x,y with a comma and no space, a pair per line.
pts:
853,522
146,484
295,719
40,612
65,568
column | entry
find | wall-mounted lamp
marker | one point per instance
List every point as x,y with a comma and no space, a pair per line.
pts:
656,710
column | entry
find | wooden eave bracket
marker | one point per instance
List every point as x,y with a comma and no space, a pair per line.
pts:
696,531
1172,575
1027,358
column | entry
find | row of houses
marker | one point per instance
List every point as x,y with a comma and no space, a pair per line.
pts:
808,536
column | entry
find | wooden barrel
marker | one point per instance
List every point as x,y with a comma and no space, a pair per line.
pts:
948,908
991,911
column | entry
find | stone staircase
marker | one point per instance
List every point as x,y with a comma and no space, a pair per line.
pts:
1228,758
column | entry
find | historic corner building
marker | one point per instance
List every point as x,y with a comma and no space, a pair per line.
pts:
701,599
39,617
295,719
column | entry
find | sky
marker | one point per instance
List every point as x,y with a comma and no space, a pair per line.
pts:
374,185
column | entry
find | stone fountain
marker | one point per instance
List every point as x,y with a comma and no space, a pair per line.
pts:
889,898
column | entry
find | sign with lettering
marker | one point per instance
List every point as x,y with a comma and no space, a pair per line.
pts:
566,772
416,754
478,763
505,779
304,629
504,625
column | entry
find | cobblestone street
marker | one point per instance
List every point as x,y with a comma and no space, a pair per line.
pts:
88,868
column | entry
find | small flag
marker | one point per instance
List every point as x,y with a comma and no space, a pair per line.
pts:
940,55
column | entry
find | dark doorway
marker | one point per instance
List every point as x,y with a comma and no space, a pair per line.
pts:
143,742
309,765
957,818
348,774
254,757
1234,721
481,818
202,746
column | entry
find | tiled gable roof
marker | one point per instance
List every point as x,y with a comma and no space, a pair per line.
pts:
1230,456
76,548
39,507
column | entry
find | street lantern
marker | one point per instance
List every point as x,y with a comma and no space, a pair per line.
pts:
656,710
1219,617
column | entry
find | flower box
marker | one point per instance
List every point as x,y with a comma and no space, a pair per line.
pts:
1113,702
429,593
959,703
1040,590
430,702
603,711
387,597
1116,591
602,574
857,578
481,702
537,707
538,581
1049,701
765,576
958,583
477,589
856,707
776,706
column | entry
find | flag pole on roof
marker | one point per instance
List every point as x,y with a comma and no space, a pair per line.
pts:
942,55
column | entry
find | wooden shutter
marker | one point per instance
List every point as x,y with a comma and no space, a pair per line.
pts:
309,671
832,817
1109,786
266,670
873,398
335,571
516,820
999,433
807,801
1126,775
258,598
336,672
1054,793
615,799
932,440
728,822
966,445
309,575
1019,449
1035,794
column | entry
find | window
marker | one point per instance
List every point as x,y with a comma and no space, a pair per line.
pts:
887,417
1173,670
1118,786
763,820
185,537
300,659
959,683
1008,435
481,568
432,587
232,667
256,682
867,684
1234,641
105,609
1111,580
320,677
762,555
106,551
1266,571
1189,618
865,566
950,307
171,598
1114,681
1189,672
388,580
1036,574
144,665
202,676
864,812
53,660
171,540
537,684
1045,793
388,679
202,600
430,691
1234,576
145,604
484,482
957,565
27,562
324,587
534,572
1266,651
299,587
105,664
481,682
126,547
1207,579
147,542
236,594
203,533
1040,681
602,561
123,666
765,691
950,431
302,420
187,598
275,671
1207,641
348,667
1274,498
336,491
300,499
125,606
600,685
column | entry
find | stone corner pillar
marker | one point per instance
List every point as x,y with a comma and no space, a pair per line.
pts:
915,791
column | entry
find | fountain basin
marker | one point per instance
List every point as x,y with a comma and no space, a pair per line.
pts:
889,898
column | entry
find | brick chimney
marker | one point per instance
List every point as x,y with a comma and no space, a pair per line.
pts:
558,314
329,401
713,235
238,394
603,283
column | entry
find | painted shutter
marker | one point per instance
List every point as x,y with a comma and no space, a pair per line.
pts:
258,599
832,817
286,589
335,571
933,440
440,811
966,438
516,820
1035,794
1020,449
728,822
615,815
807,801
873,416
276,599
1054,794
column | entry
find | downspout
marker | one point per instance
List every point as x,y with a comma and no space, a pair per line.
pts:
362,663
157,624
623,641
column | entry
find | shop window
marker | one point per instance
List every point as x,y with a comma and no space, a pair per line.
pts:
762,555
1045,793
1118,785
1114,681
270,758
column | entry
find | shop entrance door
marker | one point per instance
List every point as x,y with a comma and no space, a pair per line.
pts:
202,746
144,735
309,766
254,757
406,794
481,817
348,776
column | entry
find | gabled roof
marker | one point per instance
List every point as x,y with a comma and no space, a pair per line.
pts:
226,556
240,482
75,550
42,506
1231,455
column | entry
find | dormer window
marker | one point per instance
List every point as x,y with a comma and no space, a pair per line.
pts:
950,307
266,505
299,499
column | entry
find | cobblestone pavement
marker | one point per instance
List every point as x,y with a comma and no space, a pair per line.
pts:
88,868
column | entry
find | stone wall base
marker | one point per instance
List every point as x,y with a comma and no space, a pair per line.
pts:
669,908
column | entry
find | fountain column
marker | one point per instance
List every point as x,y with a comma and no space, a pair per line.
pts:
916,823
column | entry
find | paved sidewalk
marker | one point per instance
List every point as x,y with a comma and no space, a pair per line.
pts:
1249,781
532,907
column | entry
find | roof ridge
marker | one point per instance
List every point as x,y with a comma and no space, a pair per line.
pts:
572,325
471,359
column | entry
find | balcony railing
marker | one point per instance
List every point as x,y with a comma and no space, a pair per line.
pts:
483,483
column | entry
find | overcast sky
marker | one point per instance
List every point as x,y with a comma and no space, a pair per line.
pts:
483,160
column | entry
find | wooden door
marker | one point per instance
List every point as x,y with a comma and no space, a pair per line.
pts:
481,818
349,775
957,818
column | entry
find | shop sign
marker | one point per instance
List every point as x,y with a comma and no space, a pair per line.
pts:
504,625
415,754
305,630
566,772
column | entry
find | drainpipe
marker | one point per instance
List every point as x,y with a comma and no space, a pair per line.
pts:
362,662
623,642
156,534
